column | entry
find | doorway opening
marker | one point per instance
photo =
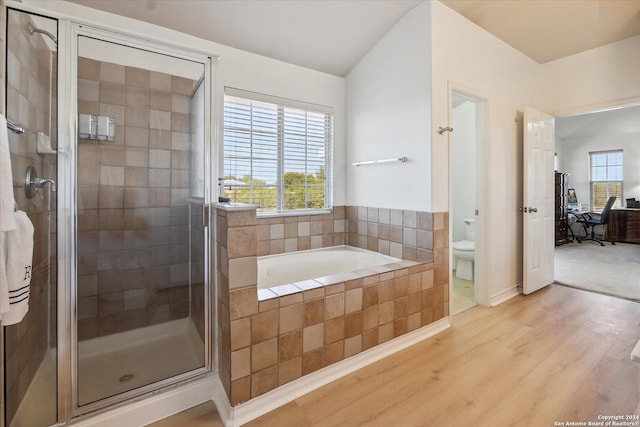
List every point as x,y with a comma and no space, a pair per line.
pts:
467,119
595,135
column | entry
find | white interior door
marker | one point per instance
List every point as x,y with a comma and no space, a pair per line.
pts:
538,203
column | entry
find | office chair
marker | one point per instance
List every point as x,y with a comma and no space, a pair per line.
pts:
593,219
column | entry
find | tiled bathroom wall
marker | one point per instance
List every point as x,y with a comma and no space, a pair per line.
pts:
292,233
265,343
30,96
404,234
133,211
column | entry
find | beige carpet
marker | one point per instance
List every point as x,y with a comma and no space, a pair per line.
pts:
610,269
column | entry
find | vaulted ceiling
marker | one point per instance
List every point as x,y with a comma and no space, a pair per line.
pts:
325,35
333,35
546,30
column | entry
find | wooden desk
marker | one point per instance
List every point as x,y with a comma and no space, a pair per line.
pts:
624,225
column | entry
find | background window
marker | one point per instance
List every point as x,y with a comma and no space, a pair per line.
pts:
276,156
606,178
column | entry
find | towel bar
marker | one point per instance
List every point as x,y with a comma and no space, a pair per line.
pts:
371,162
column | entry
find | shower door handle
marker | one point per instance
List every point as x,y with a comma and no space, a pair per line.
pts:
205,214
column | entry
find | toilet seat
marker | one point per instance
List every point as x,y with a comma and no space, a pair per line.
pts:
464,245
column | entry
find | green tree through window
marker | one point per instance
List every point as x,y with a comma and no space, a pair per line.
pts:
606,178
277,156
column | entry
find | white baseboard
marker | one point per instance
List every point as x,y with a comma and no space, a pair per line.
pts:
502,296
222,403
286,393
154,408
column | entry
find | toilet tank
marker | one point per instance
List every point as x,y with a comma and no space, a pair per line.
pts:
470,228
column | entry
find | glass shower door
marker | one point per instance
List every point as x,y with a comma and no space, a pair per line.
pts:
30,346
140,284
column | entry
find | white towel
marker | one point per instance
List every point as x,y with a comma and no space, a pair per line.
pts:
16,243
7,201
19,257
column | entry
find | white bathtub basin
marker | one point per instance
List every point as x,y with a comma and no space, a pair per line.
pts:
280,269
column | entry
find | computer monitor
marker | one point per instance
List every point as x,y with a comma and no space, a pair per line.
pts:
572,199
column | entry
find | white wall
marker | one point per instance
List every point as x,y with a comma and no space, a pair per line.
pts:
472,60
388,116
591,80
235,68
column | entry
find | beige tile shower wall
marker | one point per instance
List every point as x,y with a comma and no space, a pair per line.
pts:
265,344
133,213
282,234
29,96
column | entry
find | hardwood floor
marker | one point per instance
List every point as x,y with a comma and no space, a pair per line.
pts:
558,355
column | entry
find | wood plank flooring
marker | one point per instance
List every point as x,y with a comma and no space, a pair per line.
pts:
558,355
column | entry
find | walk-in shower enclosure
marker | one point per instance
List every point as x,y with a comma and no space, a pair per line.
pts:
120,295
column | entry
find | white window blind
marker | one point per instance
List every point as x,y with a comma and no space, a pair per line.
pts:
606,178
277,153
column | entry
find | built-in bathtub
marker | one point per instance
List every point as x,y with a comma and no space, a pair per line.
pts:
292,272
283,332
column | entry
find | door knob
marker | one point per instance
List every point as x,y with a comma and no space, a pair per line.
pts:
533,209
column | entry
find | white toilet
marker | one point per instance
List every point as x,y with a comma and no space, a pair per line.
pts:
464,251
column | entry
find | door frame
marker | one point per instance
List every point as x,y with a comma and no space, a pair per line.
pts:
482,291
69,406
190,388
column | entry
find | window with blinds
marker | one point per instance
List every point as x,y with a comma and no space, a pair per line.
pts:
277,153
606,178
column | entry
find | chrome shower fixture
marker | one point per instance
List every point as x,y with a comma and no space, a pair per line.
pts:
33,29
33,183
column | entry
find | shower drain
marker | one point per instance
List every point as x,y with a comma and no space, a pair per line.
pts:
126,378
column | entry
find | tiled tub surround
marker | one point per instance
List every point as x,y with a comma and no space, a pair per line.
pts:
265,343
403,234
280,234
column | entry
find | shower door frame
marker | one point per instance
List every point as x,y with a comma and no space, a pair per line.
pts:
70,32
